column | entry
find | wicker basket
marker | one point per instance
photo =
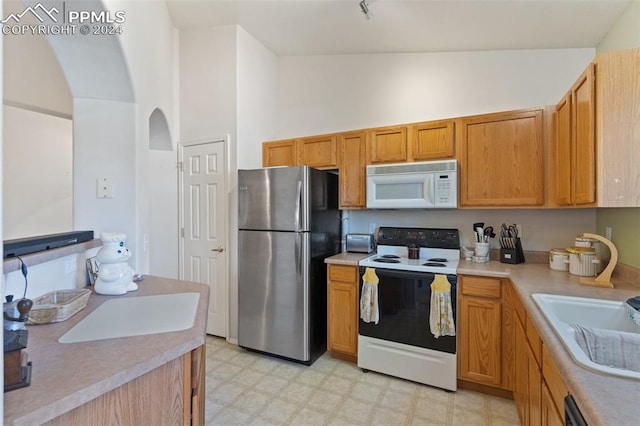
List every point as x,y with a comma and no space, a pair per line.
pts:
58,306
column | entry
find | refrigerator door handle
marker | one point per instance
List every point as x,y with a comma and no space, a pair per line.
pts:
302,260
298,212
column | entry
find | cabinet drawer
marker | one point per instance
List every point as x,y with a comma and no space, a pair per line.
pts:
347,274
481,287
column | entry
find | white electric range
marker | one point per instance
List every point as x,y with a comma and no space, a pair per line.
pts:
401,344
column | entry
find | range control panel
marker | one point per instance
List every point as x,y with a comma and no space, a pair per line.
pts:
446,238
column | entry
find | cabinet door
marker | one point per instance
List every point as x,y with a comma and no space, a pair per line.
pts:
618,112
550,414
521,372
534,390
387,145
480,331
320,152
480,340
501,159
353,170
584,169
554,382
508,339
563,150
342,305
432,140
279,153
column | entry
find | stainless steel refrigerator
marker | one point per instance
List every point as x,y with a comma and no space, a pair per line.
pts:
289,222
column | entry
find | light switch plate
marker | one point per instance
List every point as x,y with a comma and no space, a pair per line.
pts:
105,187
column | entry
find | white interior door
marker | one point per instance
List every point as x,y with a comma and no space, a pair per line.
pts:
204,243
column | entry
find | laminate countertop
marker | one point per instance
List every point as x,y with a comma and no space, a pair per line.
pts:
66,376
602,399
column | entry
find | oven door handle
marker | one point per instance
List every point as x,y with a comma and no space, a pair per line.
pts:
410,274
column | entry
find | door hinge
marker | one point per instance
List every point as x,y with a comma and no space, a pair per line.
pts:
181,232
181,166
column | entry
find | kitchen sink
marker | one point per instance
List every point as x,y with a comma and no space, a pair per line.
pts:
612,316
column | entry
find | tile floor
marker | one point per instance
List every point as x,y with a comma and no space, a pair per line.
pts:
248,388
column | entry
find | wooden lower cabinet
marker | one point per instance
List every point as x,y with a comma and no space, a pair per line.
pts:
534,384
500,349
550,416
171,394
479,330
342,310
539,390
521,373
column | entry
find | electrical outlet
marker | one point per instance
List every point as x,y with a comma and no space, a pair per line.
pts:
607,232
372,228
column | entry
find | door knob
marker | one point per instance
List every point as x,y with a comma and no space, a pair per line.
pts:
219,249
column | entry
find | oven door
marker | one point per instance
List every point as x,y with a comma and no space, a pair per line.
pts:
404,300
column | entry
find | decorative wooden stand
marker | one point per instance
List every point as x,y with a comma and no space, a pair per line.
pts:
604,279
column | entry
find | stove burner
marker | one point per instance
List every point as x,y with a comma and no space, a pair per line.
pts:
386,260
390,256
436,264
437,259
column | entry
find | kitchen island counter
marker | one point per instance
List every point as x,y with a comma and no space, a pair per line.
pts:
66,377
602,399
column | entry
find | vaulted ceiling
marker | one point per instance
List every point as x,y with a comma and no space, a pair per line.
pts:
314,27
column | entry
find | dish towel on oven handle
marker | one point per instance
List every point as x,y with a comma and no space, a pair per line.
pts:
441,312
369,297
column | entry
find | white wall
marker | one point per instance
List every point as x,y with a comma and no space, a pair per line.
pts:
208,83
37,175
104,146
625,34
228,86
257,98
111,132
32,75
148,43
321,94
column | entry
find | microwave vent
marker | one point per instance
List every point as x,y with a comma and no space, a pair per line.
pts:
404,168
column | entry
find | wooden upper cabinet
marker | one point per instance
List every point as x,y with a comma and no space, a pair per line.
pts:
584,138
432,140
501,159
387,145
279,153
562,151
353,170
574,149
618,137
320,152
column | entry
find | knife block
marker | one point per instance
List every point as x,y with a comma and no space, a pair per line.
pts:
512,255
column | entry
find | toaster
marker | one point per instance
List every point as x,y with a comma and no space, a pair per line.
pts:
360,243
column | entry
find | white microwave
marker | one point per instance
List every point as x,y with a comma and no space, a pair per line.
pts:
420,185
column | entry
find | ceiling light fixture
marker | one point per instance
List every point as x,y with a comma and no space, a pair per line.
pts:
364,6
